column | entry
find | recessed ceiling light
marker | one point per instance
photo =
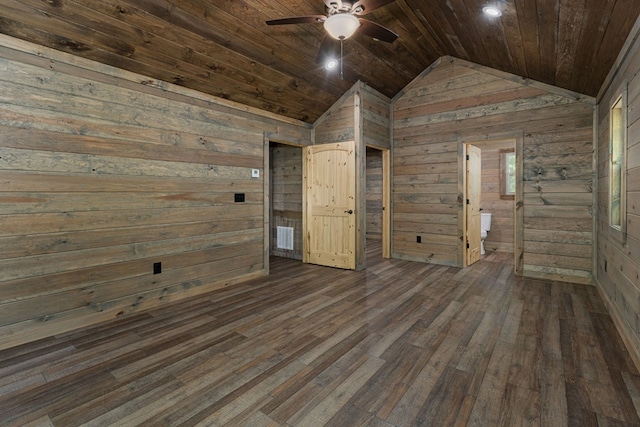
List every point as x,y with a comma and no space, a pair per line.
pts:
331,64
492,11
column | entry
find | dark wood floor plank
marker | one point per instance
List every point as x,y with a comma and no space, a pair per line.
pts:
490,402
417,393
526,362
450,392
298,390
477,354
397,344
553,405
23,366
632,389
611,344
158,382
628,412
350,415
336,393
551,327
381,389
319,362
524,407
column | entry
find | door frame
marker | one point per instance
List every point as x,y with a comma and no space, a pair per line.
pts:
266,176
386,198
517,138
361,233
353,214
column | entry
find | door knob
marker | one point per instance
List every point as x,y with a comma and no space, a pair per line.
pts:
350,211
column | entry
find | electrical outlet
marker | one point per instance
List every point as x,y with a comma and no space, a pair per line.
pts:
157,267
418,239
238,197
255,173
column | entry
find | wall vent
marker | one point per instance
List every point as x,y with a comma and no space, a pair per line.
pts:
284,238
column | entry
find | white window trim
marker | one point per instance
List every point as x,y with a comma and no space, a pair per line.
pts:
504,176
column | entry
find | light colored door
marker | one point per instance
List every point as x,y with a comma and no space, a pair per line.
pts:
473,178
330,201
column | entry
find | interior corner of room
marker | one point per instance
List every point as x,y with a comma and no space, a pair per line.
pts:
121,192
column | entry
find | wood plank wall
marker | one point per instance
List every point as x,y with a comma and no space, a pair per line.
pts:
454,102
105,173
338,123
376,137
361,114
375,118
618,262
286,196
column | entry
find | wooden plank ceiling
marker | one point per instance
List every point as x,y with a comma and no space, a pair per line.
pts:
224,47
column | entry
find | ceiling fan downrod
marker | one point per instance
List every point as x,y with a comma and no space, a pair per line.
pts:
341,55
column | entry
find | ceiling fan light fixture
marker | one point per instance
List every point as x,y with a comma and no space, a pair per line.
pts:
341,26
331,64
492,11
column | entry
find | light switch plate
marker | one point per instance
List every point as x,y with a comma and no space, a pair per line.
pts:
255,173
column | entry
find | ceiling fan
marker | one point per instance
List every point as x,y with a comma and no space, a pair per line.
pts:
342,20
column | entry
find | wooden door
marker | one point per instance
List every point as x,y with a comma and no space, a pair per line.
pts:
473,188
330,201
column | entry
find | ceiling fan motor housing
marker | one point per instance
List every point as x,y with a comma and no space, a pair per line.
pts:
343,19
334,7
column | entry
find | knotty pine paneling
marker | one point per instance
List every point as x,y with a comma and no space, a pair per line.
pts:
105,173
455,101
618,256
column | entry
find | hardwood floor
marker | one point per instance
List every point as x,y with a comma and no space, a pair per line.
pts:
399,344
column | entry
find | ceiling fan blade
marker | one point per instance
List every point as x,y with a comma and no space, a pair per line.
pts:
309,19
376,31
329,49
369,5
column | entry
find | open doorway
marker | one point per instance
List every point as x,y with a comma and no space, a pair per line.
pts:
500,189
285,200
377,194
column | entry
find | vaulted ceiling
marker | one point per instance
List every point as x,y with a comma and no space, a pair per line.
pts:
224,47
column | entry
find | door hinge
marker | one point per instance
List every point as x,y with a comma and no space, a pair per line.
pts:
467,157
468,202
467,245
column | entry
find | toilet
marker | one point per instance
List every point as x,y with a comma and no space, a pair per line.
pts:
485,226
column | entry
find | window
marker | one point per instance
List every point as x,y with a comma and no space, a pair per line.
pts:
617,164
507,174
